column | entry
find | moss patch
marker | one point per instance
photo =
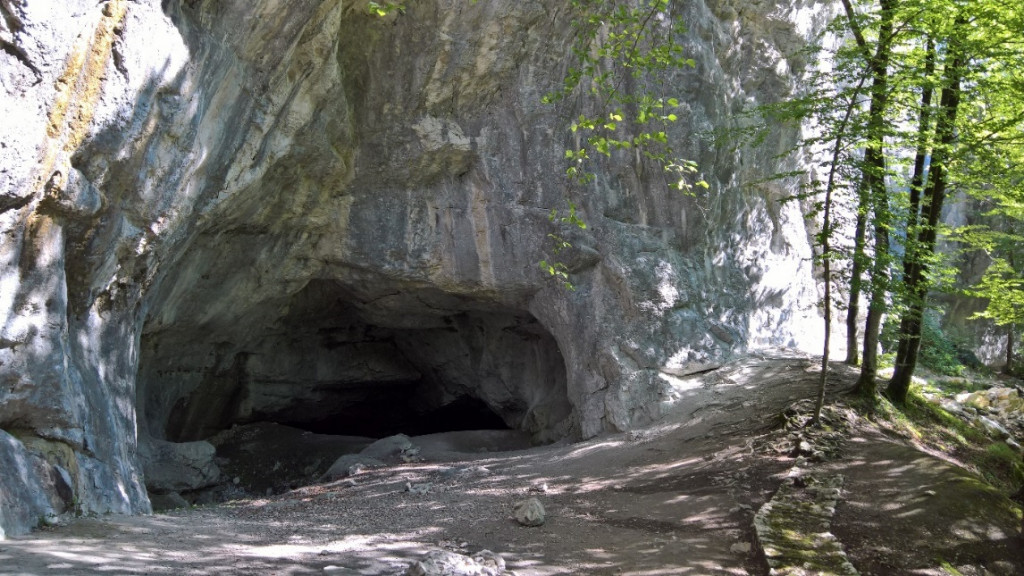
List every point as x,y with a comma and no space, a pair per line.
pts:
793,529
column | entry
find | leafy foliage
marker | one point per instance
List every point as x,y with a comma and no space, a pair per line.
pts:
1003,287
384,8
939,353
922,101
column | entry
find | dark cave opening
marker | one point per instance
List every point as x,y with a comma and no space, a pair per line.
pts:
417,362
379,416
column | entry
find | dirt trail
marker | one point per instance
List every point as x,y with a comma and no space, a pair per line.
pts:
677,498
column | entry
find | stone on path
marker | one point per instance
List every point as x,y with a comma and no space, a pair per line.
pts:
530,512
349,465
445,563
395,449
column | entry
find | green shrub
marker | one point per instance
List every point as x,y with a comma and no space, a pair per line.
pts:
938,352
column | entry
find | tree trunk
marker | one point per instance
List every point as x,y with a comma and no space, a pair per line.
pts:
866,384
874,182
826,251
924,129
916,279
856,280
910,323
1009,348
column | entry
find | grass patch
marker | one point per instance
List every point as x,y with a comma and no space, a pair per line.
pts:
1002,467
950,569
933,427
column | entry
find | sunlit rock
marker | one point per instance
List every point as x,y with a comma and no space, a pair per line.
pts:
227,213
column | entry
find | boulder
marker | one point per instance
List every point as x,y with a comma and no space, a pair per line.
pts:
977,400
1007,401
349,465
993,428
529,512
179,466
396,449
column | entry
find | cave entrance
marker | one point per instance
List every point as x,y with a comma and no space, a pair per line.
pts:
332,362
386,414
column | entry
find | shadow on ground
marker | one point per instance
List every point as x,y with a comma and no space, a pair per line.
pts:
677,498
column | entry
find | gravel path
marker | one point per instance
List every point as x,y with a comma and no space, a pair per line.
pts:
677,498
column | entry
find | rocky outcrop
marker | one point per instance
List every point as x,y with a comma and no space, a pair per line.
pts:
178,466
22,501
219,213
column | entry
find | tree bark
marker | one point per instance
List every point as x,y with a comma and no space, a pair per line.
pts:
1009,349
916,278
856,281
874,182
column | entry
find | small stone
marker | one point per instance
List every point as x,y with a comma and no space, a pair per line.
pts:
740,547
530,512
489,559
418,488
993,428
802,448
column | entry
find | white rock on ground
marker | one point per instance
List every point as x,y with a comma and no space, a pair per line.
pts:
445,563
530,512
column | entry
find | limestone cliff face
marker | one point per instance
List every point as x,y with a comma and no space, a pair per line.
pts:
225,212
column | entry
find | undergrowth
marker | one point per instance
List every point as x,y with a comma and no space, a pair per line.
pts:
932,427
940,352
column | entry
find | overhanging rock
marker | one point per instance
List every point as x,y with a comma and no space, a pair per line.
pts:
193,190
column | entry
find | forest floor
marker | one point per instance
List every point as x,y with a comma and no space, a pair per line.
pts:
676,498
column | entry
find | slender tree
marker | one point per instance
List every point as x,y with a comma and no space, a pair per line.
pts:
874,173
917,253
825,239
977,138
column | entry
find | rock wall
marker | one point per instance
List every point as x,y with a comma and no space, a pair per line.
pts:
233,205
